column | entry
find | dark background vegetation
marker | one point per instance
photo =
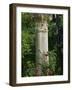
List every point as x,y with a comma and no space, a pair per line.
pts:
55,44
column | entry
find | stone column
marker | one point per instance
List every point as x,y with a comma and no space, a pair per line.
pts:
41,45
